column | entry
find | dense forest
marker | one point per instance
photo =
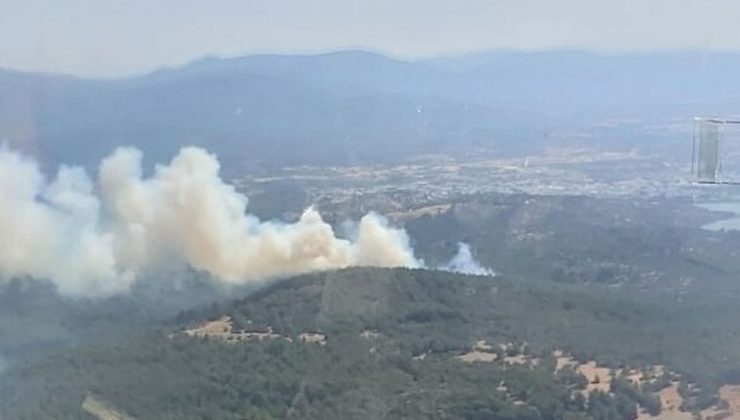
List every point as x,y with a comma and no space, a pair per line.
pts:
392,345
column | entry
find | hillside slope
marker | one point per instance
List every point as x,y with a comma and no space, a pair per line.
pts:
393,343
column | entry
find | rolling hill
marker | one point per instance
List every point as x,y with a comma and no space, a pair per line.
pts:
396,343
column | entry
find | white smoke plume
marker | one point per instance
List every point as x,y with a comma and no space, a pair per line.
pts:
96,238
464,263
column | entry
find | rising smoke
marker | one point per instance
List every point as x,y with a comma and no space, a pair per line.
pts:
97,238
463,262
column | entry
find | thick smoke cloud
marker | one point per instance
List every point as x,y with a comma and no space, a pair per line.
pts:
96,238
463,262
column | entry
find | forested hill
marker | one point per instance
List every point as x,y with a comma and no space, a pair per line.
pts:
396,343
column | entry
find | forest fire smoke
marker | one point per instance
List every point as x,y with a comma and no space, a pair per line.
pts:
97,238
464,263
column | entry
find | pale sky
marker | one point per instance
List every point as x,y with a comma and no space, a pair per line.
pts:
120,37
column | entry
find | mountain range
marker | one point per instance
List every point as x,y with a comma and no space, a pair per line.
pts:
354,106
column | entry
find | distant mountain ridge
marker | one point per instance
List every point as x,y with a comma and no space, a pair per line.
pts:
354,106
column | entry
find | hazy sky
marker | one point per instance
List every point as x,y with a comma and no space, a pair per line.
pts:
116,37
